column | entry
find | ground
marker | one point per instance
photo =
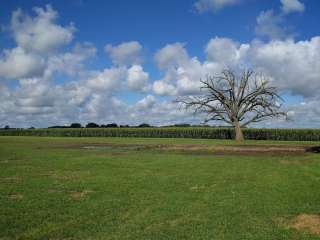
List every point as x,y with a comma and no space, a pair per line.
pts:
135,188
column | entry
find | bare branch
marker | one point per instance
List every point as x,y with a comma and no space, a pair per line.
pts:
236,101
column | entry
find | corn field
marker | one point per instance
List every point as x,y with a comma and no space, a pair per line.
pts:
172,132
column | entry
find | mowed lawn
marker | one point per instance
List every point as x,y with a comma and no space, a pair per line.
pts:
114,188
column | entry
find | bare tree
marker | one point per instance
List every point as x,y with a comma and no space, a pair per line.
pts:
236,101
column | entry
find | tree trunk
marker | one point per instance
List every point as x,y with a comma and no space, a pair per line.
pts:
238,131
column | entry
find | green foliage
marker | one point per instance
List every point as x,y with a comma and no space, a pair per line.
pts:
75,125
92,125
173,132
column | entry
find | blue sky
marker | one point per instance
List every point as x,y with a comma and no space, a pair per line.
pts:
124,61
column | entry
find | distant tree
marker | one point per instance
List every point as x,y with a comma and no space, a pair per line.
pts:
182,125
75,125
92,125
238,101
144,125
112,125
31,127
124,126
7,127
109,125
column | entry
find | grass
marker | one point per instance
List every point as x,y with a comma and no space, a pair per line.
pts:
52,188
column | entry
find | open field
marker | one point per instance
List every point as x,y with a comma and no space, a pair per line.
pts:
138,188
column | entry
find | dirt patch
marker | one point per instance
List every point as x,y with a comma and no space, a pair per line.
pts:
245,149
81,194
239,149
15,196
262,149
306,222
93,146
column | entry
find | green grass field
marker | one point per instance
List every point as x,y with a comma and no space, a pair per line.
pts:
129,188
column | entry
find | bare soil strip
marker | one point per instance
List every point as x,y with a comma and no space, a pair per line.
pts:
309,223
246,149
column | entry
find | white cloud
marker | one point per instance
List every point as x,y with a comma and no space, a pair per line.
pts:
171,55
289,6
72,62
164,88
214,5
40,33
146,103
37,37
182,73
271,25
104,108
33,96
125,53
110,79
294,66
157,113
137,78
225,51
17,63
75,93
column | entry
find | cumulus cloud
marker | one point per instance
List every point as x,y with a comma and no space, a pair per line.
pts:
271,25
17,63
40,33
35,66
214,5
137,78
291,65
110,79
182,72
171,55
104,108
146,103
32,97
294,66
305,114
72,62
226,51
125,53
289,6
164,88
36,37
158,113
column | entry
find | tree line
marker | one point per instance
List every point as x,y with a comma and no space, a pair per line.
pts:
115,125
